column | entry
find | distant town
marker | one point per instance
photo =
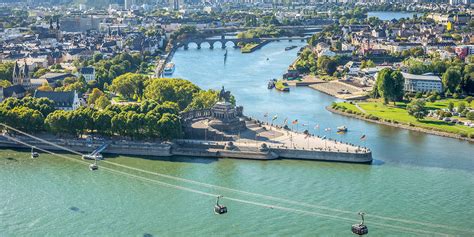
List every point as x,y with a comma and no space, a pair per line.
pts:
100,60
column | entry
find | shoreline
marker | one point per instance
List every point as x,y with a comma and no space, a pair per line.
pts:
401,125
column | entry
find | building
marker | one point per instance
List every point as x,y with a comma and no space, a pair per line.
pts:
88,73
16,91
21,75
68,100
422,83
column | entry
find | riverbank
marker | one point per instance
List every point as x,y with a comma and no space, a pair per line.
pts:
341,90
251,47
258,142
399,125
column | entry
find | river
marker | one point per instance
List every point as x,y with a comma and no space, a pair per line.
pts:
387,16
419,184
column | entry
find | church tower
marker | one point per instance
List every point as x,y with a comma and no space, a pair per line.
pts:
16,74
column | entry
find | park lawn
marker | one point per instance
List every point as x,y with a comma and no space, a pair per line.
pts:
440,104
398,113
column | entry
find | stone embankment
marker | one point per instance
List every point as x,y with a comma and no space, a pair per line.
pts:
283,145
400,125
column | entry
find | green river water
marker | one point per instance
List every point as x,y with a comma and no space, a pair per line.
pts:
418,184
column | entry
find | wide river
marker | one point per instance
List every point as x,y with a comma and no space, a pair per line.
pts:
418,184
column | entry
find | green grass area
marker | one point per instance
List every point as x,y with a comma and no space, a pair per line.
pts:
248,48
397,113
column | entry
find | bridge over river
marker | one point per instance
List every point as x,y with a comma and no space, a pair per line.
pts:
235,41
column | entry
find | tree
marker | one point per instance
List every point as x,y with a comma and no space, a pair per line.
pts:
57,121
451,79
5,83
417,109
171,89
390,85
203,100
129,85
40,72
45,87
327,64
6,71
94,95
102,102
170,126
450,106
470,115
461,107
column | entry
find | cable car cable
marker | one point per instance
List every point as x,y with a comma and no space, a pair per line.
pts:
224,188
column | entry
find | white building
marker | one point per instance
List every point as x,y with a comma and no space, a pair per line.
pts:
88,73
67,100
422,83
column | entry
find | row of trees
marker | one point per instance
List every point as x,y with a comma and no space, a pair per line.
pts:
308,62
156,116
148,120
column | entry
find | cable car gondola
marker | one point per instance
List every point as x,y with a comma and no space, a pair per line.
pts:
93,167
34,154
360,229
219,209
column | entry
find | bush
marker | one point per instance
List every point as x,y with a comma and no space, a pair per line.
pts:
471,135
349,111
432,98
463,134
470,115
469,99
456,96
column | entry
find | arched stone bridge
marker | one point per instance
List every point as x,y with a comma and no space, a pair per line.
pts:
223,41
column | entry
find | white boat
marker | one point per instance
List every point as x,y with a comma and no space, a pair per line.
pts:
342,129
169,69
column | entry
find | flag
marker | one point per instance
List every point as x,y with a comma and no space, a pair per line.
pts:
295,121
275,117
363,137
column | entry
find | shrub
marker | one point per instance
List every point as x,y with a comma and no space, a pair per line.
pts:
469,99
432,98
471,135
463,134
470,115
349,111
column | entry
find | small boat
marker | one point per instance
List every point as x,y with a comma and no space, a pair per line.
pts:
271,84
342,129
282,86
290,47
169,69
